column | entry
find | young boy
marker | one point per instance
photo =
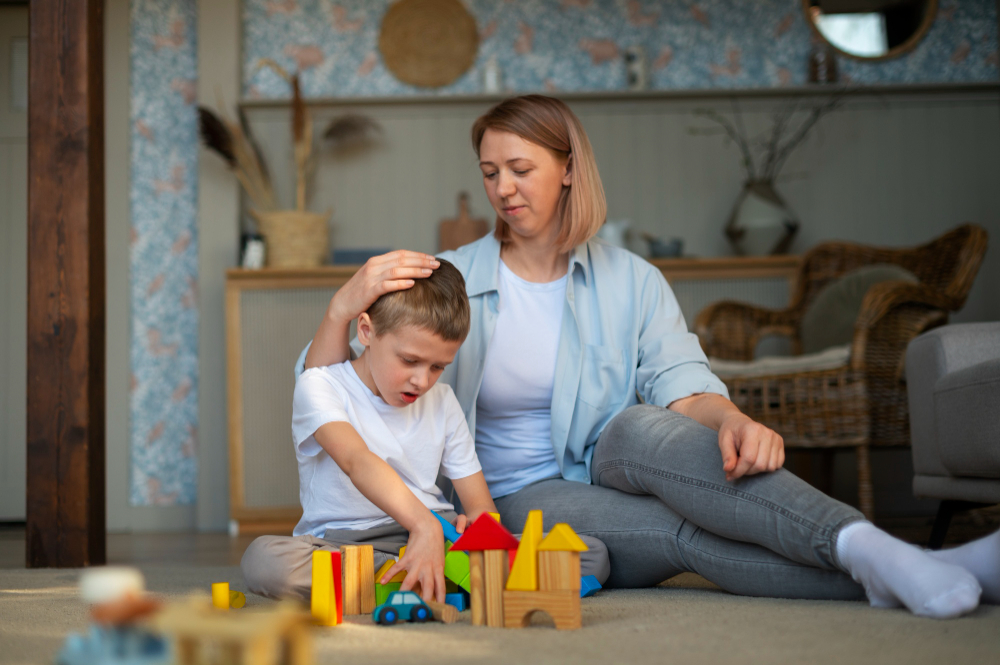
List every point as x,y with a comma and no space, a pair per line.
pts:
371,436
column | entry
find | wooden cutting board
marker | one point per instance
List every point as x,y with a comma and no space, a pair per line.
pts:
453,233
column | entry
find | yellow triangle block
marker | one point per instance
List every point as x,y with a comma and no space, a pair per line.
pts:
398,577
524,574
562,538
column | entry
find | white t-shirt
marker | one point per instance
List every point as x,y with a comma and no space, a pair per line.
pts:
417,440
514,407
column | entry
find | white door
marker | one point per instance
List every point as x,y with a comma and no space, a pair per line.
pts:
13,258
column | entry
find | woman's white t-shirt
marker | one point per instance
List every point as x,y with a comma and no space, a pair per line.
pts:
513,410
416,440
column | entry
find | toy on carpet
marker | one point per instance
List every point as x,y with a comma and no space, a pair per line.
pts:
117,637
223,597
200,633
326,604
402,606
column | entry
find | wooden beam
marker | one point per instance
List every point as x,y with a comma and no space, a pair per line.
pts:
66,337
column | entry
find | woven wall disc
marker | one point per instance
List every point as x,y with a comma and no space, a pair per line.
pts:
428,43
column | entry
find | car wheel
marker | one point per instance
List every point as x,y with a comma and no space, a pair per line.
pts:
388,617
420,614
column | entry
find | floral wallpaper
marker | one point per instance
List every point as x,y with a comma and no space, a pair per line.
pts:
576,45
164,253
540,45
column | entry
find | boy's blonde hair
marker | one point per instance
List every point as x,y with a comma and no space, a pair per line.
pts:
548,122
438,303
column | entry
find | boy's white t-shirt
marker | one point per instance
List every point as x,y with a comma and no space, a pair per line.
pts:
417,440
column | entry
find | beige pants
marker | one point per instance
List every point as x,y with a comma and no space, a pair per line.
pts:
281,566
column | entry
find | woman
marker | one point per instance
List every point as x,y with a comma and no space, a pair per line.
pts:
565,331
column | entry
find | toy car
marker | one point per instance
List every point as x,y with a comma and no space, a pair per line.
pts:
402,606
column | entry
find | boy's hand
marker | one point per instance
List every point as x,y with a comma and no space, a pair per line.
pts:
461,523
423,561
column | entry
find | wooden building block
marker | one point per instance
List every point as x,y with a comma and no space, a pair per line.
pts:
558,570
237,599
477,585
456,569
336,568
589,586
351,586
382,591
220,595
458,600
495,579
383,569
562,606
524,572
366,578
323,601
443,612
562,538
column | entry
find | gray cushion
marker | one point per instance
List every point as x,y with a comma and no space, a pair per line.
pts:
967,415
829,319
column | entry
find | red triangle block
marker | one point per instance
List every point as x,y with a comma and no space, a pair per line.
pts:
485,534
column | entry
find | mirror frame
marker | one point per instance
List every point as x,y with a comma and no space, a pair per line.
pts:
903,48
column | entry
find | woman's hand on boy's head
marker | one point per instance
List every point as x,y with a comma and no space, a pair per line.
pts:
379,275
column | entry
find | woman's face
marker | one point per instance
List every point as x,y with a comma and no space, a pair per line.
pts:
523,181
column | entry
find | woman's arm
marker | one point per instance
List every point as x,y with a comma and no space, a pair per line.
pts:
380,484
747,446
380,274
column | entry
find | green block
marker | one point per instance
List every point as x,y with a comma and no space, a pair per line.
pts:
382,591
456,569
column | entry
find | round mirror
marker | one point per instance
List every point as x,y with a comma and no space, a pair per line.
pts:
871,29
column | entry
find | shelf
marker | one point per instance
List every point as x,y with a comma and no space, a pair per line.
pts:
991,87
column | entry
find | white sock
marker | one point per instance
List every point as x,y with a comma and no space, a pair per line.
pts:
982,559
893,573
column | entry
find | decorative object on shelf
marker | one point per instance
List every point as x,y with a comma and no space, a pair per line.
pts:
822,63
870,30
428,43
295,238
663,249
252,251
761,222
492,77
636,68
453,233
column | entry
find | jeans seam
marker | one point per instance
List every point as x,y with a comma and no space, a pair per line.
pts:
714,487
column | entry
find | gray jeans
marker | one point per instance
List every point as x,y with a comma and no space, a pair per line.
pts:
661,504
281,566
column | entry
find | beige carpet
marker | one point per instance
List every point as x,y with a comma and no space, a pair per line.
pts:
686,620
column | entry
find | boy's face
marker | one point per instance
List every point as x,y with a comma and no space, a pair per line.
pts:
405,363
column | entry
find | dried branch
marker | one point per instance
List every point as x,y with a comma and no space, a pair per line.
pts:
733,134
814,116
215,135
351,130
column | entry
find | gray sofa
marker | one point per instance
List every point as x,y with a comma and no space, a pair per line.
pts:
953,387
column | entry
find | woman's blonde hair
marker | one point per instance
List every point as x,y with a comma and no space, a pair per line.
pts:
549,123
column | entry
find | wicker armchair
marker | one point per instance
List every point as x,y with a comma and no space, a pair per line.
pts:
863,403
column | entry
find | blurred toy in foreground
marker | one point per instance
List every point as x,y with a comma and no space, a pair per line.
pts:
119,636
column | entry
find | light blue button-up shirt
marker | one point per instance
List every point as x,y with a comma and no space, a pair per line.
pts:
623,335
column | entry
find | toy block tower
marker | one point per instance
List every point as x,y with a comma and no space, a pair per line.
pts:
487,543
548,577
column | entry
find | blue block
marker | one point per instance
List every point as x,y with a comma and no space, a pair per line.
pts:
449,531
589,586
461,600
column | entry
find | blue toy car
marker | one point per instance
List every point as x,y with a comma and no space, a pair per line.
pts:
402,606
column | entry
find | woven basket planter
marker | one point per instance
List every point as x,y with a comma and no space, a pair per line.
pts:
295,239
